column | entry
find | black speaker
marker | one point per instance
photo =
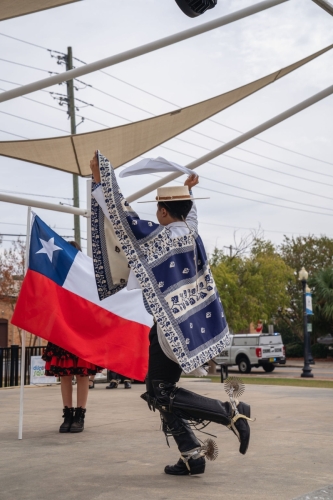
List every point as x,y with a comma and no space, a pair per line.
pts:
194,8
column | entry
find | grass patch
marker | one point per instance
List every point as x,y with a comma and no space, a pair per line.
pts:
294,382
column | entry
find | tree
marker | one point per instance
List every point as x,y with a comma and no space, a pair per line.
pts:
314,254
322,285
252,287
12,263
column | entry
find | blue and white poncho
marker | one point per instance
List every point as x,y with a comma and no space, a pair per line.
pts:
173,273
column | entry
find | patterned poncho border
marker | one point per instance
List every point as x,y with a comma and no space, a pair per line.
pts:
174,275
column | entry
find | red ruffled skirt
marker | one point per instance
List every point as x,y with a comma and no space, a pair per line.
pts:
61,363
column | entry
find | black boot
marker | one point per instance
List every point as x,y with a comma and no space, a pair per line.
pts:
192,460
113,384
127,384
242,430
68,419
196,408
78,420
180,468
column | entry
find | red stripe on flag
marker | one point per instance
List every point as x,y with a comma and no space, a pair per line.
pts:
73,323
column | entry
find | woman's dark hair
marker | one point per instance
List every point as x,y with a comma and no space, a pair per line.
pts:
177,209
75,245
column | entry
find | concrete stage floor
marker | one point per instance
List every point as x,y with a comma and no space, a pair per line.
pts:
122,452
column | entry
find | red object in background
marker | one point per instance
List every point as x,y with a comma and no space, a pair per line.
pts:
259,327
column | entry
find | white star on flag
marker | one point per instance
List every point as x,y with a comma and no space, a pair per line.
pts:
48,247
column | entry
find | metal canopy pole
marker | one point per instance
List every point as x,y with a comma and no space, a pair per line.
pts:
139,51
26,264
235,142
325,5
41,204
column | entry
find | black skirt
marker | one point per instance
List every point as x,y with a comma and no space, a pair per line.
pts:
61,363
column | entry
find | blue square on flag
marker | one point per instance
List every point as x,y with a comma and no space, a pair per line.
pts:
50,254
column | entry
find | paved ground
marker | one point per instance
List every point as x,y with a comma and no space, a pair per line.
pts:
322,370
122,453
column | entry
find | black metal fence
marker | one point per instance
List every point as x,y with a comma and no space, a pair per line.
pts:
10,364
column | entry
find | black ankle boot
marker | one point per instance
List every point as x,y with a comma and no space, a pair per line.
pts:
243,427
180,468
78,420
113,384
68,419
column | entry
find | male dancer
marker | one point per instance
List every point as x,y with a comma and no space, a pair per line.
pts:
168,261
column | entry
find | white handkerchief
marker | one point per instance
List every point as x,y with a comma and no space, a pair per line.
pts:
153,165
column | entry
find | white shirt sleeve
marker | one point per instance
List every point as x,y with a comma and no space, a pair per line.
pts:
192,218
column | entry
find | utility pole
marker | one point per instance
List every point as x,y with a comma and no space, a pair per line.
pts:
230,250
71,114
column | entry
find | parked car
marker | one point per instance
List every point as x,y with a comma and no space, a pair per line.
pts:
254,349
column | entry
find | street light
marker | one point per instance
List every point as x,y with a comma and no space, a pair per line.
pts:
309,323
194,8
306,372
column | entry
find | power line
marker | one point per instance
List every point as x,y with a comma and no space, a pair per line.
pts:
33,194
27,66
273,144
33,121
194,145
164,100
211,120
28,43
216,165
250,175
10,133
266,202
264,194
193,131
242,227
252,153
254,201
204,135
53,227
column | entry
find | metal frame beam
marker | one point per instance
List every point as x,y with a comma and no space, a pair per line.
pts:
42,204
325,5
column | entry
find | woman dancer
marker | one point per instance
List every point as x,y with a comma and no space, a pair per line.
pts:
64,364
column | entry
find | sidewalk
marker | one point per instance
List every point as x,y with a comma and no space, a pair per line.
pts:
122,452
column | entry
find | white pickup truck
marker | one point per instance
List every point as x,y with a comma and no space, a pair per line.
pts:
253,349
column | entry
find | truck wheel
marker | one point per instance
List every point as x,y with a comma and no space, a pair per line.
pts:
244,365
269,368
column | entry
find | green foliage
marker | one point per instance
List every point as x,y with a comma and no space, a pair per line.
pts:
321,351
295,350
314,254
253,287
307,251
322,285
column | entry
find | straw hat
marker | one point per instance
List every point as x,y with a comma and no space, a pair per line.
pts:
173,193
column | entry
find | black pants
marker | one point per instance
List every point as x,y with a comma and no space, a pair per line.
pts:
160,367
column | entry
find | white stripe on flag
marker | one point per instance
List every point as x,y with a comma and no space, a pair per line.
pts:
127,304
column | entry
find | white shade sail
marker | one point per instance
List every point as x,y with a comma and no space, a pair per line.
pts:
15,8
121,144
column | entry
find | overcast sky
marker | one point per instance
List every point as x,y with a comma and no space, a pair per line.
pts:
182,74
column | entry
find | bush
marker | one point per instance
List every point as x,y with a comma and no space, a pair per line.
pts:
320,351
295,350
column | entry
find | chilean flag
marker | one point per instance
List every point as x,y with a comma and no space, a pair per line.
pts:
59,302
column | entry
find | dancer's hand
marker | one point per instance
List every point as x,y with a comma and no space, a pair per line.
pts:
94,167
191,181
